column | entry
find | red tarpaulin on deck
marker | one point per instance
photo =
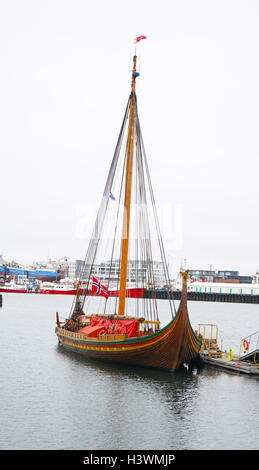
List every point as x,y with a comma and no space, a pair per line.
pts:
117,326
92,330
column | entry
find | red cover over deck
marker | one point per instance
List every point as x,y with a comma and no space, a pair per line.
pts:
117,326
110,326
92,330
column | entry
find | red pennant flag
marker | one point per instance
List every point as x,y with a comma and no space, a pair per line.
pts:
139,38
99,289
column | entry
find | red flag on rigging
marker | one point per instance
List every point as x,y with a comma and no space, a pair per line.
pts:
139,38
99,289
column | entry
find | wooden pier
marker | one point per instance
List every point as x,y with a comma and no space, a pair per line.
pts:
204,296
235,365
211,353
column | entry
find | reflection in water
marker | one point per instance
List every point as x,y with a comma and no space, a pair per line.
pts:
54,399
136,401
139,408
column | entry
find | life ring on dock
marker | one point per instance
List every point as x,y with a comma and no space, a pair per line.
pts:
245,345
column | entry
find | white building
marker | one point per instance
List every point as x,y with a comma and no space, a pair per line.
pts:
224,288
138,272
72,269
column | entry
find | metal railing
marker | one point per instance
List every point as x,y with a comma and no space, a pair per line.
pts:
249,346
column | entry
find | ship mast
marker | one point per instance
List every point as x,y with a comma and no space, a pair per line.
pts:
128,190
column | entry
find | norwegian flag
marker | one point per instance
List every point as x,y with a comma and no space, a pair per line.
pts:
99,289
139,38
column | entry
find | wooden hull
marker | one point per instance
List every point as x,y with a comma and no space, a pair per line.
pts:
166,349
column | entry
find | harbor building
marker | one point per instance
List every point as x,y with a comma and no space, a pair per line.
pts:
202,275
224,288
221,276
137,271
74,268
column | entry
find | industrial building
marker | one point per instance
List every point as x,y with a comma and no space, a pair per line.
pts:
221,276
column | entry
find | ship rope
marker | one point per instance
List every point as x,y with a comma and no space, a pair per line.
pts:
142,246
87,268
160,239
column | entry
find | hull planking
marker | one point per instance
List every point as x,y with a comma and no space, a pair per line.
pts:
166,349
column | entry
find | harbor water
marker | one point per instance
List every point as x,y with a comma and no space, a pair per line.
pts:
56,400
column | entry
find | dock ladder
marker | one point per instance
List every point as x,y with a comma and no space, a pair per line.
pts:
209,336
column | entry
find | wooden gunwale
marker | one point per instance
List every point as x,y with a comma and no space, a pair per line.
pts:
139,342
165,349
164,352
77,337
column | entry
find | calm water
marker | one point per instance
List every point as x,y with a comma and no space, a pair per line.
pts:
51,399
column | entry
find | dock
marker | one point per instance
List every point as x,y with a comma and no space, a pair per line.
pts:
203,296
236,365
247,362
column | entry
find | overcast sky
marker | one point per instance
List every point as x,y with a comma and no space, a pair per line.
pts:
64,84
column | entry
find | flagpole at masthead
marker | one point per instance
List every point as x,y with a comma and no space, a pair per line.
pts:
128,186
127,196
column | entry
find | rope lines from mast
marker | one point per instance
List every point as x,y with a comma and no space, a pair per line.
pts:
142,246
87,268
144,163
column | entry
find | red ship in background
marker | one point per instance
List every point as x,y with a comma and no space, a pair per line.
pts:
59,289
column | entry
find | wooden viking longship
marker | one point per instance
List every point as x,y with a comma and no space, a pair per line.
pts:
122,328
